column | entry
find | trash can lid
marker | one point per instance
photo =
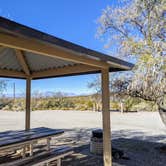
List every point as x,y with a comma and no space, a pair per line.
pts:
98,133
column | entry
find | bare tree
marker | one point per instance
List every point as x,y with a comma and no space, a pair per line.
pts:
3,86
137,29
96,97
118,87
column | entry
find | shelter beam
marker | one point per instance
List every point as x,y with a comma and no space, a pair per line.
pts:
22,61
65,71
11,73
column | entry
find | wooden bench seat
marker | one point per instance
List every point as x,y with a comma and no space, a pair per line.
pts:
43,158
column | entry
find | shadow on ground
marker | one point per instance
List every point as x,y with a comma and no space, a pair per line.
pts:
134,134
82,136
140,149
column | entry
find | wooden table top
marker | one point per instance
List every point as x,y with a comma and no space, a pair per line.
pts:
8,138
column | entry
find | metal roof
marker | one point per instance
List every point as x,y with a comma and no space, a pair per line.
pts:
37,62
8,59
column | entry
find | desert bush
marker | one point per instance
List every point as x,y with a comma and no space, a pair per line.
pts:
77,103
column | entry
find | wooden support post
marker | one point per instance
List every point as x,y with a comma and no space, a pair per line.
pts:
23,151
59,162
28,104
31,149
107,151
48,143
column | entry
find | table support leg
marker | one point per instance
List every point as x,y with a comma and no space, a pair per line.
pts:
31,149
59,162
48,143
23,151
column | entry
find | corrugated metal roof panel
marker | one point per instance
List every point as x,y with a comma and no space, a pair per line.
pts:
8,59
39,63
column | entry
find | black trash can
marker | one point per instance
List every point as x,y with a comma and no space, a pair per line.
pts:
96,142
96,145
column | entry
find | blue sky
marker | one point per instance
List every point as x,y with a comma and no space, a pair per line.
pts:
72,20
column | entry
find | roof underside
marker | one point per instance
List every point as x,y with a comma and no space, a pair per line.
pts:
35,62
28,52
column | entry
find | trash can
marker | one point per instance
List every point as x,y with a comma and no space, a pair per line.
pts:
96,142
96,145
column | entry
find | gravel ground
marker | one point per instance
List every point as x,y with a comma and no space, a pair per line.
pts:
139,134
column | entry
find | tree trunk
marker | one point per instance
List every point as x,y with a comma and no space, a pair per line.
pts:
121,106
162,112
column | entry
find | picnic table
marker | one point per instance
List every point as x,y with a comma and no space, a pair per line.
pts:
12,140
